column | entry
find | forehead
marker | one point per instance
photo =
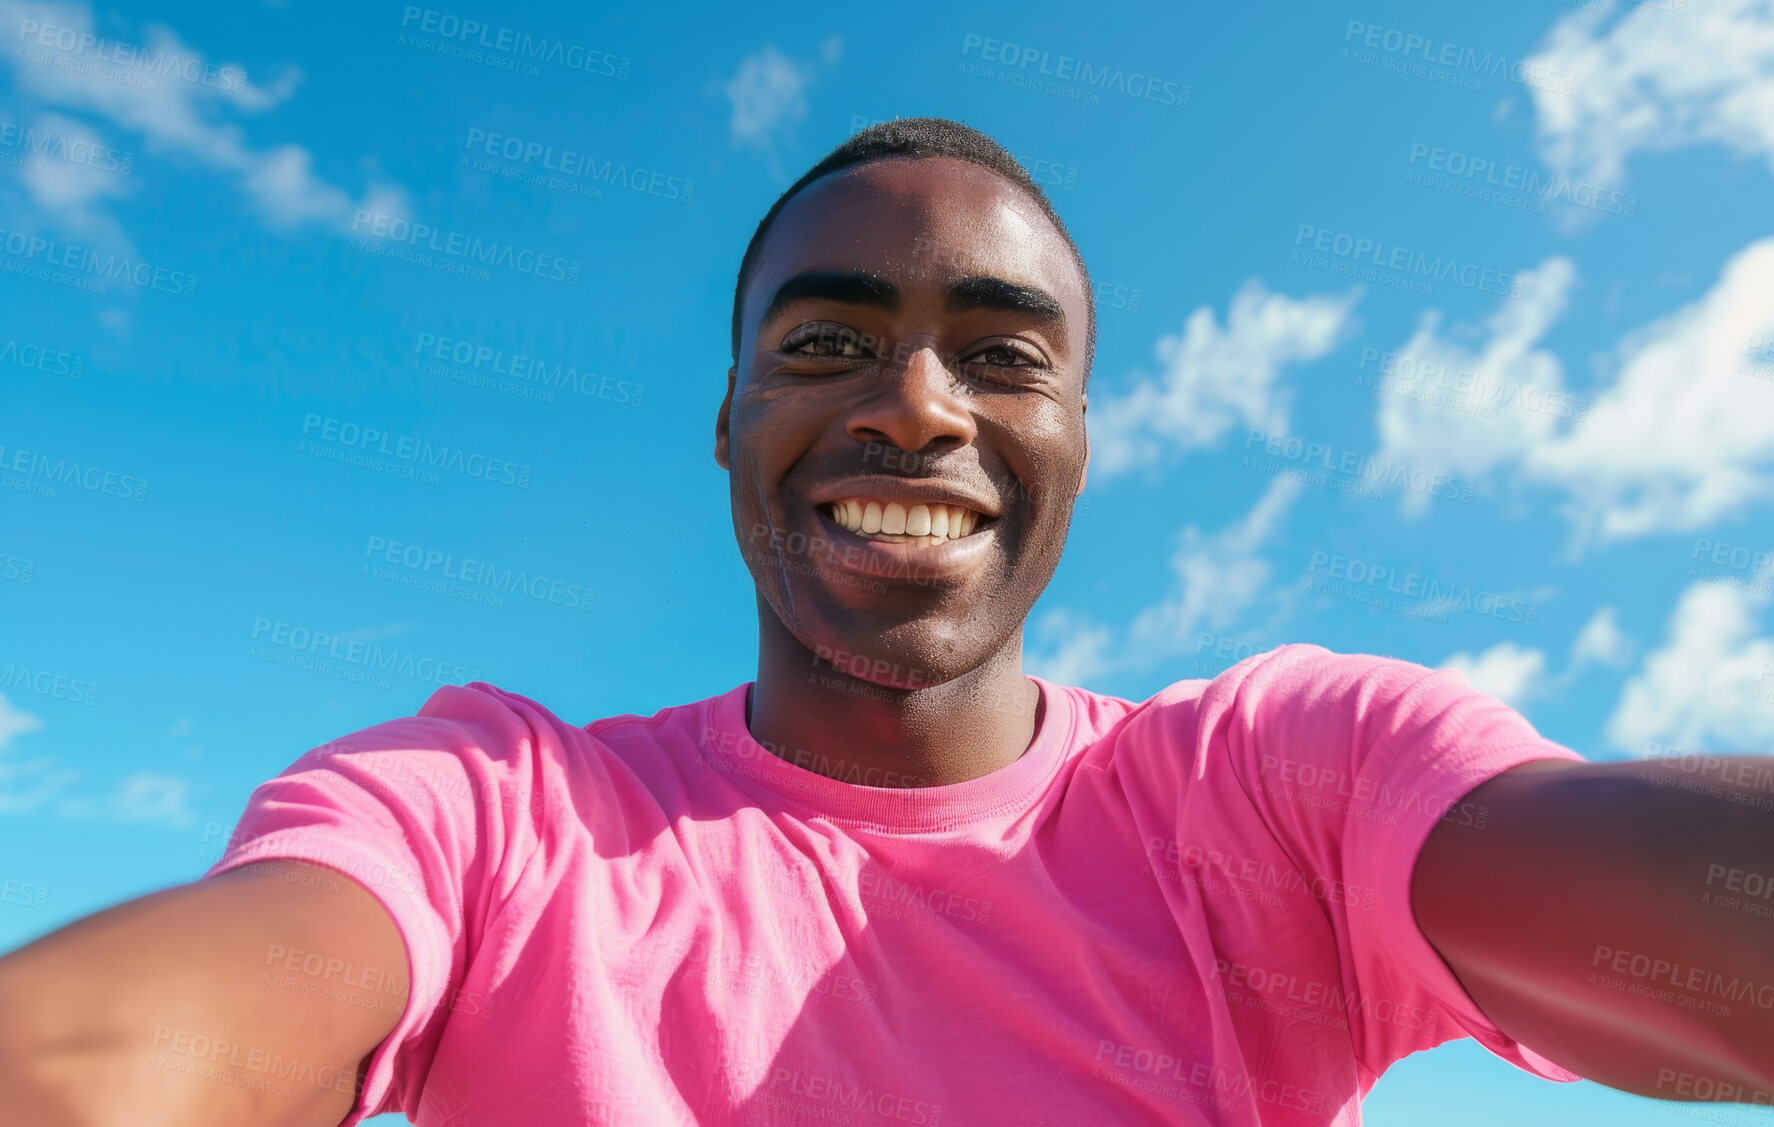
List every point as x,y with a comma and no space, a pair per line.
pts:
919,222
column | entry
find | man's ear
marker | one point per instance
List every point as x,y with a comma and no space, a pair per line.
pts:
721,447
1084,475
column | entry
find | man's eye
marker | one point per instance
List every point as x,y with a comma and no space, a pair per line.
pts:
998,364
1000,356
830,341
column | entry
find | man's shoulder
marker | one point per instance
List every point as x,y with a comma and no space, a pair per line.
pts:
483,703
1289,667
1198,719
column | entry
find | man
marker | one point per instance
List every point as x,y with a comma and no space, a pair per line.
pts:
894,879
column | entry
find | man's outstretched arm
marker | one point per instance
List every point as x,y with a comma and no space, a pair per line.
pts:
213,1004
1618,918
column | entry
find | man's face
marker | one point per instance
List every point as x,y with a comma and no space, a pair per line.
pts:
912,350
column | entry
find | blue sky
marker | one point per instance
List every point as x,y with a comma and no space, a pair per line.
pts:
1442,334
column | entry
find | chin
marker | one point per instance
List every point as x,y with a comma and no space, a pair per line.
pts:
916,654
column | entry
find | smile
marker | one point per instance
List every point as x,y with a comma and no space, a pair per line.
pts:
926,525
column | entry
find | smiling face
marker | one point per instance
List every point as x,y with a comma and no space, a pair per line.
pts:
904,427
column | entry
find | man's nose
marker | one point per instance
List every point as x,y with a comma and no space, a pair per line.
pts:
913,405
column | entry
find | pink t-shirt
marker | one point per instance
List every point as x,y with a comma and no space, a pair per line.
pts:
1188,910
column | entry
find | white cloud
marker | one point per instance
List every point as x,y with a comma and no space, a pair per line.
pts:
1679,437
142,798
73,190
1509,672
1447,408
1213,378
1601,641
1654,80
768,95
1684,435
1710,686
1221,577
1072,649
15,722
26,784
180,104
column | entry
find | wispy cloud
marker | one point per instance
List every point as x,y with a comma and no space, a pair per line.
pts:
1213,378
1449,408
1710,685
1684,434
179,104
1678,437
768,96
1221,579
26,784
44,782
1507,671
140,798
1647,79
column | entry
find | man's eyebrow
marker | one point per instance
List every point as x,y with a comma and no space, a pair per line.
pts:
997,293
848,288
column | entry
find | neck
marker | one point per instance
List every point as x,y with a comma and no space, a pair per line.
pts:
895,729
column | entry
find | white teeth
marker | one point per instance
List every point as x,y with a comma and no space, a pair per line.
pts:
926,525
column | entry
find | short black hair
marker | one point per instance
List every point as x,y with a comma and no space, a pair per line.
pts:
913,138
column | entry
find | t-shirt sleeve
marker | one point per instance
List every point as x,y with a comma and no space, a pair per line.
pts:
430,813
1352,760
